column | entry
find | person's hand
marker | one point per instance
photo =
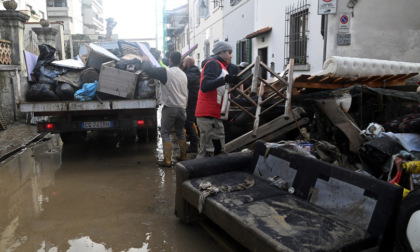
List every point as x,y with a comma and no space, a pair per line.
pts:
232,79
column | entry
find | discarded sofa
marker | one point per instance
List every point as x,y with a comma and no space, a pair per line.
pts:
321,208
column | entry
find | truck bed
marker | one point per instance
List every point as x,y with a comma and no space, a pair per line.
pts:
63,106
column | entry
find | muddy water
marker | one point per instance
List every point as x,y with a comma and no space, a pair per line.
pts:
92,197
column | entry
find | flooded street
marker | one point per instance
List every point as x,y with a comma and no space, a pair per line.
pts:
92,197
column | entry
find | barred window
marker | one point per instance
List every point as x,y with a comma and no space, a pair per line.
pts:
295,46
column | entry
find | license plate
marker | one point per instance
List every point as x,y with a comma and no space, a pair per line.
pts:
97,125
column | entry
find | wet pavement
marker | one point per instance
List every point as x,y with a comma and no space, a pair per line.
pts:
91,197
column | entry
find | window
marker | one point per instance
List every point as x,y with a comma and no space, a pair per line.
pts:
296,33
233,2
56,3
217,4
244,51
203,8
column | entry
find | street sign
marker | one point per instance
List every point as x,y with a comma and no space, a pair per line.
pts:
343,38
344,22
326,7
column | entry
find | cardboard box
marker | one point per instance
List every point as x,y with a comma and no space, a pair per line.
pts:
116,81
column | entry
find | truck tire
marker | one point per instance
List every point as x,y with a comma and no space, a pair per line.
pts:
408,223
146,135
73,137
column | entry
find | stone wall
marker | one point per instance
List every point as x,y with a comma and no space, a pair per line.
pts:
7,96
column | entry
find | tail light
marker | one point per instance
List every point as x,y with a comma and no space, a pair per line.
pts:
140,123
47,127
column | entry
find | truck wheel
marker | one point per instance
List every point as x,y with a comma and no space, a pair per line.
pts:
146,135
65,137
408,223
73,137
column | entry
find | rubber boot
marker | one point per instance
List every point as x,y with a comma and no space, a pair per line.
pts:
167,154
182,150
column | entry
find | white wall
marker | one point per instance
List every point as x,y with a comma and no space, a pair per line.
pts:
388,30
37,6
238,22
272,13
209,29
76,13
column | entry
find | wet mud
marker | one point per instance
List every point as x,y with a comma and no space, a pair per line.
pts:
92,197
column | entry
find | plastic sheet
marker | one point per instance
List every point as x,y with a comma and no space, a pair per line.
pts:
87,93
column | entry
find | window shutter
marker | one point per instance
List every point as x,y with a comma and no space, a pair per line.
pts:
238,52
248,49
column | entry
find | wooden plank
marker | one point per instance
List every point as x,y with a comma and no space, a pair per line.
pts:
302,77
291,81
327,79
370,78
255,82
246,69
407,76
263,130
393,77
258,111
317,85
315,78
284,130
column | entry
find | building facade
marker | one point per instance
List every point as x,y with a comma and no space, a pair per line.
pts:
280,30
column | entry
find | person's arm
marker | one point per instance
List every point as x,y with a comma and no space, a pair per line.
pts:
211,79
158,73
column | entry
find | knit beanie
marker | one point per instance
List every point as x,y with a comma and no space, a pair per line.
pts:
221,46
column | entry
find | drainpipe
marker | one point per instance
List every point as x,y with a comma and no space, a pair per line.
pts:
325,38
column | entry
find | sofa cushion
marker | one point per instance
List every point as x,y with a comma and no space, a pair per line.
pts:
260,190
265,218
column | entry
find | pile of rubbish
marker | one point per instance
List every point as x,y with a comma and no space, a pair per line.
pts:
83,79
374,131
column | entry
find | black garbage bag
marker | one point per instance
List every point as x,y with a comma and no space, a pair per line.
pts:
65,91
49,72
46,56
41,92
375,153
132,65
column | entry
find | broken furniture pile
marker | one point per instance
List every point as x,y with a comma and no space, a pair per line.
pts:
358,122
95,76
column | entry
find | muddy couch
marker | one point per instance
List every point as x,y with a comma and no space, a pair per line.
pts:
322,208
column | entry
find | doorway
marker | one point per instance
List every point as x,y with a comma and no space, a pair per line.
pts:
263,53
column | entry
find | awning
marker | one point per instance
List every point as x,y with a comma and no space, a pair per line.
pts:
259,32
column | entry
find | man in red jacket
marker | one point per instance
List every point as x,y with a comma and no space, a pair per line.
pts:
216,71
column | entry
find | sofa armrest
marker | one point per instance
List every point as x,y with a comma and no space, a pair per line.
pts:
197,168
203,167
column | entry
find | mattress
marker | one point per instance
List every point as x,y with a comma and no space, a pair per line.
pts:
361,67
